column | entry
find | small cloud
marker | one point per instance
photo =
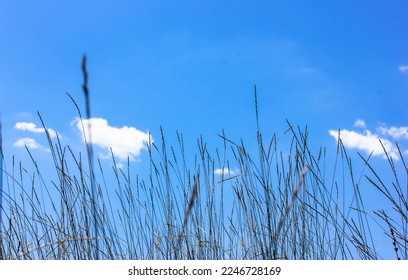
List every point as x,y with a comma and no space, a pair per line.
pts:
395,132
367,142
224,171
403,69
29,143
360,123
31,127
124,141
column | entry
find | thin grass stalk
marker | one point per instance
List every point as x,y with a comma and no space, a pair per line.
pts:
263,164
1,192
290,204
90,157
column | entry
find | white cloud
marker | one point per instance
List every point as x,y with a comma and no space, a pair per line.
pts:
124,141
360,123
224,171
368,142
29,143
403,69
31,127
395,132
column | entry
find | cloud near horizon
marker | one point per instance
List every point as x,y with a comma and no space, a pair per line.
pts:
32,127
370,142
224,171
124,141
29,142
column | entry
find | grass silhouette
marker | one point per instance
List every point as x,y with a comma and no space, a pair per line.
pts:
274,205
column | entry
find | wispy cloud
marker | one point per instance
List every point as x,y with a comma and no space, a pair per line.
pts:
224,171
32,127
370,142
395,132
367,142
29,143
360,123
403,68
125,141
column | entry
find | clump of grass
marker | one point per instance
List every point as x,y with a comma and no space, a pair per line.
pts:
276,204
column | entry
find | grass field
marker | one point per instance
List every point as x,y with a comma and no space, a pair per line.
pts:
278,203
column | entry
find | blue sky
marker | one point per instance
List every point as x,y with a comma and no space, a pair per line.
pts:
192,65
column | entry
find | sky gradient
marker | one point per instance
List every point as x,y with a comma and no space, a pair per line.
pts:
191,66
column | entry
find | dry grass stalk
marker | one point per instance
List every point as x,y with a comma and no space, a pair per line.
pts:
289,205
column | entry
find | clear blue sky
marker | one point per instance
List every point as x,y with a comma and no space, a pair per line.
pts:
191,66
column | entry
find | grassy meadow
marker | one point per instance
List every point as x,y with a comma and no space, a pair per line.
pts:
276,203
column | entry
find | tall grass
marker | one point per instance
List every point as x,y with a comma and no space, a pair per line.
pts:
1,186
90,155
279,203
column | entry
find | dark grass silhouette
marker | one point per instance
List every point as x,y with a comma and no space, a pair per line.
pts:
90,156
277,204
